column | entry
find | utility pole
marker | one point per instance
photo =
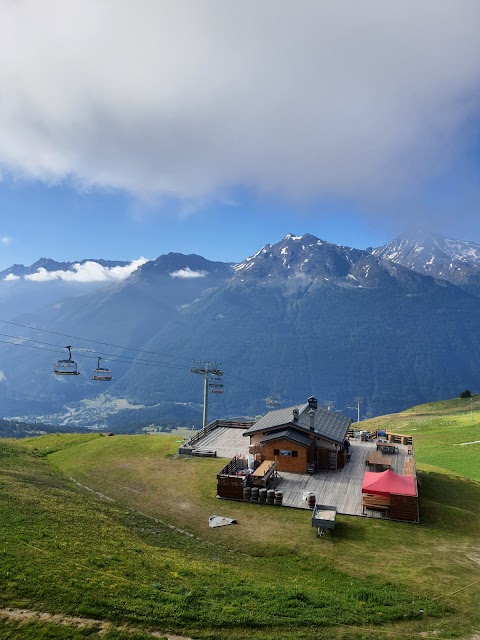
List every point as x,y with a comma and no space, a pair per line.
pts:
206,369
358,402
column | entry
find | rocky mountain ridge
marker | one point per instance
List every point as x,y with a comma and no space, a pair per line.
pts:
298,316
456,261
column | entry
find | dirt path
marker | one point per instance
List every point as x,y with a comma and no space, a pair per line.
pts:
102,626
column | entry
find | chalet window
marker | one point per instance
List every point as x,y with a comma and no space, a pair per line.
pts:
276,452
294,454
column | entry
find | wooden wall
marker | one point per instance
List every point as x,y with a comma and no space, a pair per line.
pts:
296,464
403,508
230,486
327,459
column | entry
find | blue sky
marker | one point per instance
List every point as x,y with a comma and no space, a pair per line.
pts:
192,126
62,223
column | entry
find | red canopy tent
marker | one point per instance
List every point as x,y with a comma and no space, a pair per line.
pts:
388,483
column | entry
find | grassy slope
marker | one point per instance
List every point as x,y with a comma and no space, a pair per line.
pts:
439,429
102,560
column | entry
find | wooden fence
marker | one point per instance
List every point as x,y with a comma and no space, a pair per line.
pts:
230,485
211,426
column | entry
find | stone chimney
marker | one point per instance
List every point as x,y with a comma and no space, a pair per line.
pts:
311,415
295,414
312,402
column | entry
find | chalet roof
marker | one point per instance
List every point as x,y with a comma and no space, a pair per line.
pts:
327,424
288,434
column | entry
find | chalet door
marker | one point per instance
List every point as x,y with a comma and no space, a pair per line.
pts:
322,458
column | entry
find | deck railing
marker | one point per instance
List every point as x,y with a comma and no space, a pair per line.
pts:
235,424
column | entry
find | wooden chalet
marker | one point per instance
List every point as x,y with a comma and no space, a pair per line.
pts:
302,439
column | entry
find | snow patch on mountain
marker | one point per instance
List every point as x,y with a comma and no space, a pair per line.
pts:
456,261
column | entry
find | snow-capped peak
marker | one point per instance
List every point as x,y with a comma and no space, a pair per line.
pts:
305,257
433,254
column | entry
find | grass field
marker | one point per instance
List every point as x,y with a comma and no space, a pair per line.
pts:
446,434
146,560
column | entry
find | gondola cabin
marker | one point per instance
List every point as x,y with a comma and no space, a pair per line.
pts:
101,373
66,367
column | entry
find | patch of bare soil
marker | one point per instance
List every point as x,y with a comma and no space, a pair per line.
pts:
102,626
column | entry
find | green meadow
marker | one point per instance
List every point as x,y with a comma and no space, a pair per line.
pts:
446,434
110,536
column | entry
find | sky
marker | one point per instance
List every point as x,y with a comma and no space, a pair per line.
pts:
130,129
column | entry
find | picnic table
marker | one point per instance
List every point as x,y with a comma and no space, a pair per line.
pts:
378,459
387,447
263,474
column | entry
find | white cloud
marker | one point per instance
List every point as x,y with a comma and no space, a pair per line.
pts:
2,376
6,240
88,272
190,98
11,277
188,273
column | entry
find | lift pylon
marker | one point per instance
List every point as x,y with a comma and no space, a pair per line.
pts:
207,369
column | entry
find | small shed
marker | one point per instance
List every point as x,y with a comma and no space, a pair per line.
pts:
396,495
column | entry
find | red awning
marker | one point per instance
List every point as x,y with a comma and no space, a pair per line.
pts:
388,482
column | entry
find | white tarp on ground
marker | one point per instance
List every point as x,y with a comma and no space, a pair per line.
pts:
218,521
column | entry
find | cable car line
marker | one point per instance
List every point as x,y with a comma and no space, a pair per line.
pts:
129,360
124,359
113,358
105,344
247,382
30,346
81,354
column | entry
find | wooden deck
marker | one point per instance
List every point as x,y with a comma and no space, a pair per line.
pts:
227,442
342,488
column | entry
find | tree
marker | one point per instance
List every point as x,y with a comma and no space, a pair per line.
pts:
466,394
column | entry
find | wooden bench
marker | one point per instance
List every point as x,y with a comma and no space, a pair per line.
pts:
399,438
377,459
387,447
375,503
263,475
204,453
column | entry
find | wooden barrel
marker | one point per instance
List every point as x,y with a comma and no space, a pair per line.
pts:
254,495
278,498
247,493
311,500
262,495
270,496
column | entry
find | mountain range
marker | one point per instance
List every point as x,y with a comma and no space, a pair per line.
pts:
456,261
394,325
